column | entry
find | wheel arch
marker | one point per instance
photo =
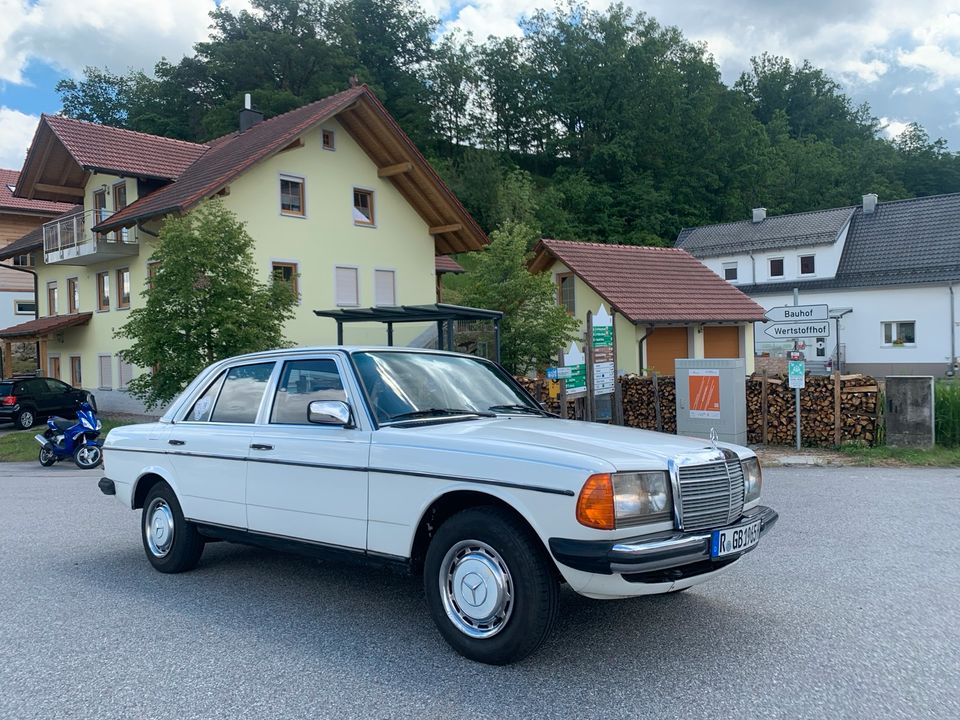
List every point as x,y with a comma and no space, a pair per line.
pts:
448,504
144,482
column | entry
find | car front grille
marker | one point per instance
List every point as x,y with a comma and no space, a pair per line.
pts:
711,495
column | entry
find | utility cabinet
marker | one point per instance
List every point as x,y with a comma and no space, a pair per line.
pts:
712,396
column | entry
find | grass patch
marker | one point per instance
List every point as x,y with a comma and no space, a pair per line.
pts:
937,456
20,446
947,404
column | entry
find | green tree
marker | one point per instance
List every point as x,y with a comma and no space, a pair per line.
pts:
534,327
100,97
204,304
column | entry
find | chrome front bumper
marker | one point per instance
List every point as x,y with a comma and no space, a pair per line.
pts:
651,553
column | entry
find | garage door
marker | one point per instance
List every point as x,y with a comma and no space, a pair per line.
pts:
721,342
664,346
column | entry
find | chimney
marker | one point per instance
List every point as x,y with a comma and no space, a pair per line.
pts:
869,203
248,116
759,215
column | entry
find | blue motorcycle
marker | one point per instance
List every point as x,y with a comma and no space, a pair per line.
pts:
63,438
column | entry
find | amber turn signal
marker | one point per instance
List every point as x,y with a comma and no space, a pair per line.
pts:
595,504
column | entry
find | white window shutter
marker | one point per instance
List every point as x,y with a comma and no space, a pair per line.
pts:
385,287
347,290
125,371
106,372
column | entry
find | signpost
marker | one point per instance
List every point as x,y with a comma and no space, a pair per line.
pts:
794,313
602,347
796,370
795,330
575,362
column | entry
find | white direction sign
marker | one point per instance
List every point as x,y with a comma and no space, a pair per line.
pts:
793,313
792,330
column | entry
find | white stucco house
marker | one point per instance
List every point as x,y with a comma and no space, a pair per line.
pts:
889,272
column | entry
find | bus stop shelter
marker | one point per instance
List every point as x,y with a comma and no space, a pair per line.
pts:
443,315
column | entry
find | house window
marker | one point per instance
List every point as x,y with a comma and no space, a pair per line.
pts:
291,196
286,272
152,269
73,295
119,196
565,294
807,266
106,372
328,141
730,271
385,287
76,379
100,205
776,267
125,372
53,366
123,288
103,291
25,260
24,307
51,298
362,207
899,333
348,286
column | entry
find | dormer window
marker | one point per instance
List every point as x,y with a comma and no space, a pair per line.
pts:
730,271
807,266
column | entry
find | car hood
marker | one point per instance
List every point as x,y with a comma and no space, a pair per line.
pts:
568,442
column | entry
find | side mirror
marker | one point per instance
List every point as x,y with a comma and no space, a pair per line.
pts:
330,412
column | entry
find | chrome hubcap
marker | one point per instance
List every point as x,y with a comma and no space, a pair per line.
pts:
26,419
476,589
159,527
88,455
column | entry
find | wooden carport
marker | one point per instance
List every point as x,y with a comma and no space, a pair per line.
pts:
39,331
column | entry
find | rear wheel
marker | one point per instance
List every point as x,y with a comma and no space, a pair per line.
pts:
172,544
25,419
46,457
490,587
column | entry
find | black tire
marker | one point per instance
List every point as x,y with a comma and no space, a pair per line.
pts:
534,600
46,457
25,419
87,457
177,548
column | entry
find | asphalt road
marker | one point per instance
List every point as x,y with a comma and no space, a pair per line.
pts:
850,608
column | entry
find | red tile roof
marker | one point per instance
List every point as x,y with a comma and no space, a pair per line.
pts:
228,157
10,203
45,325
446,264
123,152
651,284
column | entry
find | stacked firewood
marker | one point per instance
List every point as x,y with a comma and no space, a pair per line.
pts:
858,407
643,397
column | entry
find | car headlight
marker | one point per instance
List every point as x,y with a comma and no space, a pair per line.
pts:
623,499
752,479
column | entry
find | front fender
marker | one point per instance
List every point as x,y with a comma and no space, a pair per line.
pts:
148,473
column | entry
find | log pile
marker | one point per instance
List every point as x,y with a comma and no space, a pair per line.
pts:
641,396
856,397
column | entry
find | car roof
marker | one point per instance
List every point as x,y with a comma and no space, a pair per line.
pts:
347,349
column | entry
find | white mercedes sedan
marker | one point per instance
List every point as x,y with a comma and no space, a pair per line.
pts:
443,464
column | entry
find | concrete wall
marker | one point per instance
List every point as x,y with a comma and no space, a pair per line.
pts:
909,411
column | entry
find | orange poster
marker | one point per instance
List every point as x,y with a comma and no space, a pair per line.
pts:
704,388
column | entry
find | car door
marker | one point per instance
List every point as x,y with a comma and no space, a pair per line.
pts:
208,446
59,399
309,481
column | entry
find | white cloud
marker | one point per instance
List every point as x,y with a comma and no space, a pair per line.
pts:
70,35
16,132
942,65
893,128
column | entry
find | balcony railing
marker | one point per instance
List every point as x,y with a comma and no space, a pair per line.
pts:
70,240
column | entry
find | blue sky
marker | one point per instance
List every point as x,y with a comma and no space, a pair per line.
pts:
903,58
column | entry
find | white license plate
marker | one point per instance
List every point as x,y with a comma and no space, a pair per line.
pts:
731,541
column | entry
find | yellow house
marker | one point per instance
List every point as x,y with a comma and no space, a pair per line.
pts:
664,306
339,201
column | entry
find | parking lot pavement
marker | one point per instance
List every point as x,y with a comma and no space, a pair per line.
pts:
848,609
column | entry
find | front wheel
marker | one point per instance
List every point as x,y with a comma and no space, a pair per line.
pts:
489,586
87,456
46,457
172,544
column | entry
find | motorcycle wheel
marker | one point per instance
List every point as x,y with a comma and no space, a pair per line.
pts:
46,457
87,456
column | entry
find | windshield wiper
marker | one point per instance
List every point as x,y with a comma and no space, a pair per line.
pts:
517,408
439,412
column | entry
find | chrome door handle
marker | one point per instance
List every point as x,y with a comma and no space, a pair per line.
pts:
177,442
259,446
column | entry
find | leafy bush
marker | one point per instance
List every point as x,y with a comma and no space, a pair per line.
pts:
947,403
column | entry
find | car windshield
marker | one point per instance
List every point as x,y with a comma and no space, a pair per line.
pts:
403,386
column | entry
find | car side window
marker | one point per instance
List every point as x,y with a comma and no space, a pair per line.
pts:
301,383
55,386
36,387
242,392
200,412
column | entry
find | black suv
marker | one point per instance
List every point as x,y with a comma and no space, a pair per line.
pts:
25,400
